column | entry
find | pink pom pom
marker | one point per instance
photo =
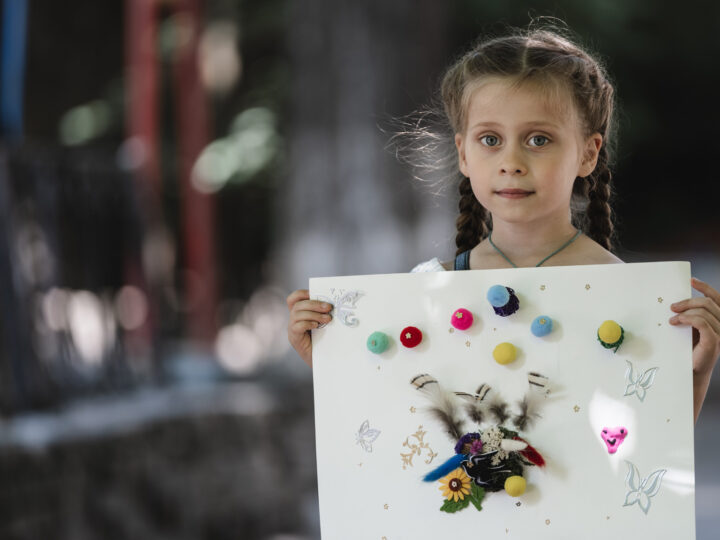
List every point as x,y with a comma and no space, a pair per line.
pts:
462,319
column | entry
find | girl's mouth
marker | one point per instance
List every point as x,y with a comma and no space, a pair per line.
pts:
514,193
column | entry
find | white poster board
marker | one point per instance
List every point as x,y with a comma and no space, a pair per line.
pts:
376,441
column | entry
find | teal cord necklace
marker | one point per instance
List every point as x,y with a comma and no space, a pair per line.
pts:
566,244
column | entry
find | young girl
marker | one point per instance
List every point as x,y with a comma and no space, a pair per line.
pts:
532,115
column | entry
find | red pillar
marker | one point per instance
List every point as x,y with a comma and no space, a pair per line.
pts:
197,208
142,128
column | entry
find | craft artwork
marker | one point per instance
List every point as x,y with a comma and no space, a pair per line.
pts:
613,438
461,319
503,300
343,303
541,326
610,335
642,490
534,426
639,384
365,436
410,337
378,342
490,458
505,353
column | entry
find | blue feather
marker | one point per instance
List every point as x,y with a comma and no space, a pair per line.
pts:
446,468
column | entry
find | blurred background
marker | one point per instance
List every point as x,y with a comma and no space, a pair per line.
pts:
170,170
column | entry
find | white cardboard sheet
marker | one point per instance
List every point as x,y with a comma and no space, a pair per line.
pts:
372,488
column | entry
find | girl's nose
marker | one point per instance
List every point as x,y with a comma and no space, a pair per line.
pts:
512,170
512,164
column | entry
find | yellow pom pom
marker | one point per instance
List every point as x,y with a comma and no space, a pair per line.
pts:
609,332
515,486
505,353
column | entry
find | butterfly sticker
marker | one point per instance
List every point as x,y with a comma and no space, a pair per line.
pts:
343,305
638,385
642,490
366,436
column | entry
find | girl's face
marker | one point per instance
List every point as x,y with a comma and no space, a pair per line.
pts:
522,151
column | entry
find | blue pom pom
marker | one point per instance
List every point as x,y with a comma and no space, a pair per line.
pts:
541,326
498,295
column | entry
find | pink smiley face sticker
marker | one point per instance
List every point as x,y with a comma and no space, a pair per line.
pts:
613,437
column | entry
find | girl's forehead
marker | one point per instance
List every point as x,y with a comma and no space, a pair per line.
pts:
506,101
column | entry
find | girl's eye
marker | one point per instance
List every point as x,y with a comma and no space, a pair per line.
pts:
539,140
489,140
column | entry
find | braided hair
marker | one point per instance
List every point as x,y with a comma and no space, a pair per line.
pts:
547,58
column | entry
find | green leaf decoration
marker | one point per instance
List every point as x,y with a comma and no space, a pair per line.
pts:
477,494
453,506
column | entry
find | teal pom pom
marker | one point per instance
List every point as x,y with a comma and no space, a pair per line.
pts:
541,326
498,296
377,342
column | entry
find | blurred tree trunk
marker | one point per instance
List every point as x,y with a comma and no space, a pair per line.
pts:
345,208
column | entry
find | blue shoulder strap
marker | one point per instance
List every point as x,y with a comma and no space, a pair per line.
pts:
462,261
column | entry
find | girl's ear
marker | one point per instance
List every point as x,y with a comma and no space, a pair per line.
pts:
462,162
590,155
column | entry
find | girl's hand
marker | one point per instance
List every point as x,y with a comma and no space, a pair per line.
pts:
305,314
704,316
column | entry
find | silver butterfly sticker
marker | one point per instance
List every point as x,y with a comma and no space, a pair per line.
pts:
639,384
343,305
642,490
366,436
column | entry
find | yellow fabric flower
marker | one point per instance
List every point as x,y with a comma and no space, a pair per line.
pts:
455,485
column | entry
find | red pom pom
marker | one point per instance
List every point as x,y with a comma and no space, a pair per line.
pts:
532,455
410,337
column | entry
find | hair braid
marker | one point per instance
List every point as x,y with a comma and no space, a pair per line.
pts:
472,223
598,217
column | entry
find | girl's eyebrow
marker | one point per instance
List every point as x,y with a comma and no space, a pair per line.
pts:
532,123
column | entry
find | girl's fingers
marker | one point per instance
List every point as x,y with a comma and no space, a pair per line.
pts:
300,327
698,318
707,348
306,315
295,296
705,289
312,305
705,302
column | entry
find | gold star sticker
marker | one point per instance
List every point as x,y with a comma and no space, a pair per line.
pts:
576,408
386,507
467,343
451,330
458,315
494,329
587,286
542,287
547,522
660,299
378,368
413,409
408,335
607,517
659,324
668,420
359,464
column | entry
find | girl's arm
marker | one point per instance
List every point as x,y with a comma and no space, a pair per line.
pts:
704,316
